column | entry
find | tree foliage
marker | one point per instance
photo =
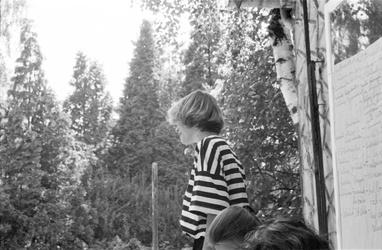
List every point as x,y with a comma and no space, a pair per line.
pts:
355,26
202,59
10,18
167,23
31,212
139,113
89,105
258,122
42,165
69,180
140,137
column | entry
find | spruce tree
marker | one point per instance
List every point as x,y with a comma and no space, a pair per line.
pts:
11,18
141,136
89,106
100,106
43,167
32,208
75,105
28,86
139,113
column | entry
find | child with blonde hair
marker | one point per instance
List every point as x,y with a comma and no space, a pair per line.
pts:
217,178
230,227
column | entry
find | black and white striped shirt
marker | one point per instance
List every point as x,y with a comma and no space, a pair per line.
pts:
216,182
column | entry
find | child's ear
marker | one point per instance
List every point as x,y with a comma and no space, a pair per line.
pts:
189,151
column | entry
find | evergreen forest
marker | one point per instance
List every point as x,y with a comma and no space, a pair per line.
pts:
77,174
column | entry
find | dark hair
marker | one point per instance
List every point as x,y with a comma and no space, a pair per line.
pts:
232,223
285,234
197,109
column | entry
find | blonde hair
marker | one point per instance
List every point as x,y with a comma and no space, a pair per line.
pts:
233,223
197,109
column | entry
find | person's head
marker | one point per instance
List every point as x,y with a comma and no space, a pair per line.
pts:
228,229
196,112
285,234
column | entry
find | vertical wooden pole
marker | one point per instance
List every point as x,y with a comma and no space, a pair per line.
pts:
316,133
154,201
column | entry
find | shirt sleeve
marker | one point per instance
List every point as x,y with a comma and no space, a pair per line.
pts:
235,179
209,194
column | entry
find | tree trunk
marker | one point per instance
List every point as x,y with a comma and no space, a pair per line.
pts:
284,58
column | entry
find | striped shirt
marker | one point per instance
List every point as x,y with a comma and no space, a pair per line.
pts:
216,182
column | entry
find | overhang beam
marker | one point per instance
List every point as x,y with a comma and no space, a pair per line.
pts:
261,3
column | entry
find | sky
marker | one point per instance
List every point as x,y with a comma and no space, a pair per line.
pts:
104,30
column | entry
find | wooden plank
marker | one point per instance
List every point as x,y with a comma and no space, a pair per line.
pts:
262,3
316,131
154,200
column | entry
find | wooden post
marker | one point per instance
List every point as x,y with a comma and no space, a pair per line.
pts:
154,201
316,133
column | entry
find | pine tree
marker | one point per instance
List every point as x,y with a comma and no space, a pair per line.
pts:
134,147
28,118
139,112
89,105
24,115
75,105
36,160
11,18
100,106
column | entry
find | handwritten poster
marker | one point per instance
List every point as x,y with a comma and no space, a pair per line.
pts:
357,94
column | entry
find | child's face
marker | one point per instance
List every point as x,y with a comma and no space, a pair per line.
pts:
186,134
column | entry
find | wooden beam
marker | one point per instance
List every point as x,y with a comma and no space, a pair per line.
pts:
262,4
154,185
316,131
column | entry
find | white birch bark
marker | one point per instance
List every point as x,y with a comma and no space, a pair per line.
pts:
282,51
285,69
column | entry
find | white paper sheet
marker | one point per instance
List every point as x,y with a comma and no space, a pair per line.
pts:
357,93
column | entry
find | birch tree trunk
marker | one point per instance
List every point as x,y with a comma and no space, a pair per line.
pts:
279,29
280,32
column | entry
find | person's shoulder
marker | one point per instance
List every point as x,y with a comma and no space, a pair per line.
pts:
214,139
213,145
